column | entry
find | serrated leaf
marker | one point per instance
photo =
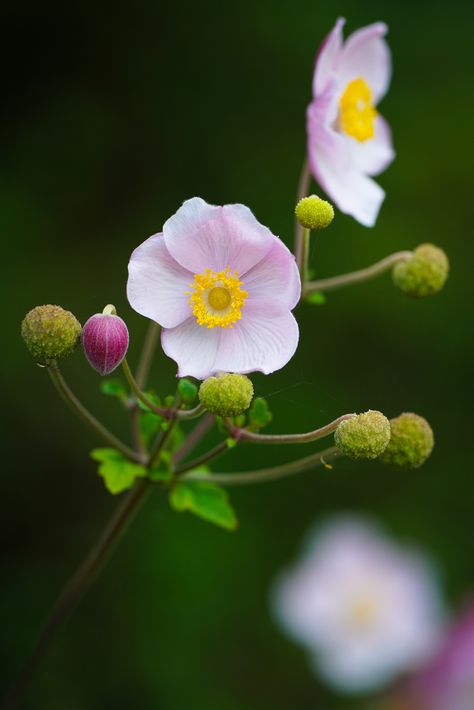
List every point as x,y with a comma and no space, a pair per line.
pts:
317,298
118,473
206,500
259,413
114,388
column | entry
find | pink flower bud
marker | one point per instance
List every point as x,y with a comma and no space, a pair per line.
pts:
105,340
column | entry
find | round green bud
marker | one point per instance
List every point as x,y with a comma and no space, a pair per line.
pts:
411,441
364,436
50,333
226,395
424,273
314,213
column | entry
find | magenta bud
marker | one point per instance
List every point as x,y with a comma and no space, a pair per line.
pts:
105,340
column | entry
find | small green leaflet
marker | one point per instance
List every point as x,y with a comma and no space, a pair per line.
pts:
114,388
118,473
317,298
206,500
259,414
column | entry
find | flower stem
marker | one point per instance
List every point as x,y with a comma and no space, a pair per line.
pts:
84,414
162,412
303,187
245,435
213,453
354,277
78,585
199,431
267,474
147,353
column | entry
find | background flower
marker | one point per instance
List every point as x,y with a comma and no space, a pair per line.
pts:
222,286
365,609
348,140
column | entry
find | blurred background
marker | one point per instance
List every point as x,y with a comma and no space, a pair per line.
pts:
114,114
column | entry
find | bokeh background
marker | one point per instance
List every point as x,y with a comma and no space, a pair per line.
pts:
114,114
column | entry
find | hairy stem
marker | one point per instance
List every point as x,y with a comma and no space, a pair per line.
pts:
84,414
355,277
245,435
267,474
78,585
303,187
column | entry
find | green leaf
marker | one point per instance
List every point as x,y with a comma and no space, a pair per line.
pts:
118,473
259,414
187,390
149,426
206,500
230,442
114,388
317,298
153,398
161,473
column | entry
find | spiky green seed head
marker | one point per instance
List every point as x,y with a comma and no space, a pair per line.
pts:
364,436
226,395
411,441
424,273
314,213
50,333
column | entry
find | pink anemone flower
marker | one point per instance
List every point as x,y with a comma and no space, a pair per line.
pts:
348,140
222,286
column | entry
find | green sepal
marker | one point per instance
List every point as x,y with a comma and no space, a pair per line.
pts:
317,298
187,391
153,398
206,500
118,473
169,401
259,414
114,388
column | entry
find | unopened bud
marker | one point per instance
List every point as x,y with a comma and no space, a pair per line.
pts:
226,395
50,333
314,213
422,274
364,436
105,340
187,390
411,441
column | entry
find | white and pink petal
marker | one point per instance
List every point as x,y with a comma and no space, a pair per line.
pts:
275,278
366,55
193,347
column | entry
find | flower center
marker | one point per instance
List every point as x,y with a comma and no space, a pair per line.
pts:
217,298
356,111
362,612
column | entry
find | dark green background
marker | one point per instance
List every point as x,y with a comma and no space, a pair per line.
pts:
114,114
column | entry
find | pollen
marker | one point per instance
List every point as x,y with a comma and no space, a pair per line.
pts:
357,113
217,298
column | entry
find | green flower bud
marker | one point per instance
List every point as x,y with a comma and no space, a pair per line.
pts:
364,436
187,390
314,213
226,395
50,333
424,273
411,441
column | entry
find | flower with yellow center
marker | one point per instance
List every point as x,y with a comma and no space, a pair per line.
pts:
222,287
348,140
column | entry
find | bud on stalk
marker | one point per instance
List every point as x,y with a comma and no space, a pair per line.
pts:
105,340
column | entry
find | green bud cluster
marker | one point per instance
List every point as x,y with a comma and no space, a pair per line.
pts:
364,436
411,441
226,395
424,273
314,213
50,333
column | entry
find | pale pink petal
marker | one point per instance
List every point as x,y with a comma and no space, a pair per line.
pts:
366,55
194,347
275,278
189,218
157,284
327,57
264,340
232,238
373,156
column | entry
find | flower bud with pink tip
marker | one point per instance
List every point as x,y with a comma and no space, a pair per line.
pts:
105,340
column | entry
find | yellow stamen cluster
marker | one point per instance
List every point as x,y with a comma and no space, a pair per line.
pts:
217,298
356,111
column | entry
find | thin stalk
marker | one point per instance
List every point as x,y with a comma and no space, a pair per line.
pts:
162,412
78,408
191,441
303,188
210,455
267,474
305,237
148,351
354,277
78,585
326,430
160,443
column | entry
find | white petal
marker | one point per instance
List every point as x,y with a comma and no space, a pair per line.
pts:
231,238
366,54
189,218
263,341
194,348
157,284
374,155
275,278
327,57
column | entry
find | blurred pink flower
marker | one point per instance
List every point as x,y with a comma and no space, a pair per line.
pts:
348,140
222,286
365,609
